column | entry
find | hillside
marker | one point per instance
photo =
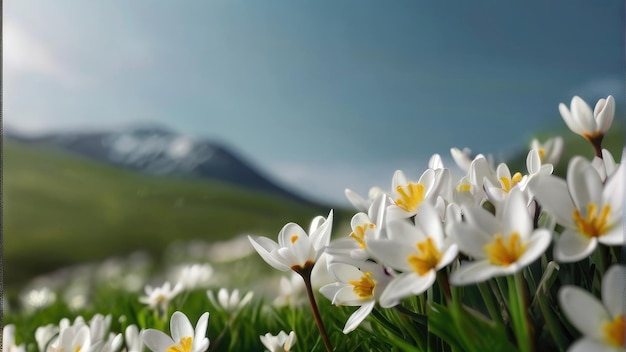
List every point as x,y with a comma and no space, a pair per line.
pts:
60,209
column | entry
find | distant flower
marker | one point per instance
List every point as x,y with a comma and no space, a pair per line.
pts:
589,124
8,340
230,303
295,250
279,343
603,324
184,337
360,203
74,338
408,195
195,276
360,286
160,297
291,291
501,245
549,151
416,250
590,211
44,335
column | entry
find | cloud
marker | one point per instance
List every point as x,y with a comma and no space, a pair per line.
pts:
24,54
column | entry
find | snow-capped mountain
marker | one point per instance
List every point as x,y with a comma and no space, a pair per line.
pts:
159,151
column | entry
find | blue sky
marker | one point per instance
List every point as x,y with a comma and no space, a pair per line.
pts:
320,95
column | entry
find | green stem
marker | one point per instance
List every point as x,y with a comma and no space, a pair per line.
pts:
494,312
416,317
519,311
306,276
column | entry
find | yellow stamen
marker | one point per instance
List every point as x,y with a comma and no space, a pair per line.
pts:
427,260
505,254
411,196
507,183
294,238
594,225
465,187
77,348
359,233
615,331
365,287
184,345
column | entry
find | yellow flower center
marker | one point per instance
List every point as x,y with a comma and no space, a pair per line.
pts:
359,233
411,196
542,154
507,183
464,187
427,259
365,287
294,238
184,345
77,348
594,224
505,254
615,331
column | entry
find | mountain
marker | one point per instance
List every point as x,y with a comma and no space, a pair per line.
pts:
156,150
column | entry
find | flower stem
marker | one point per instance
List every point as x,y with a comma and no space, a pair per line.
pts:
518,304
306,276
494,312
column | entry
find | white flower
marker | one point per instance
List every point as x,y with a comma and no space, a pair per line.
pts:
194,276
500,245
582,121
549,151
603,324
418,251
99,326
279,343
291,291
160,296
229,302
408,195
590,211
73,338
184,337
360,203
8,340
295,250
45,334
360,286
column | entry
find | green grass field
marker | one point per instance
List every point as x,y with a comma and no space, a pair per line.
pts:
61,209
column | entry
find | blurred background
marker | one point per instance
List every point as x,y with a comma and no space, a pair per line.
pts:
134,125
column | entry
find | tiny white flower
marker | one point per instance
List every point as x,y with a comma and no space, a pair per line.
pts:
184,338
160,297
590,124
603,324
229,302
295,250
195,276
500,245
360,203
291,291
279,343
549,151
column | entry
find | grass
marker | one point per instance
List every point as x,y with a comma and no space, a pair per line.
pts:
60,209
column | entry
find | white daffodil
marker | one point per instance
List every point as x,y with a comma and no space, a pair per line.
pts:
184,337
589,210
360,286
408,195
603,324
500,245
418,251
279,343
8,340
549,151
134,341
230,303
194,276
160,297
295,250
589,124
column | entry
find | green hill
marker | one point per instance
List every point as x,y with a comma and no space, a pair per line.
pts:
61,209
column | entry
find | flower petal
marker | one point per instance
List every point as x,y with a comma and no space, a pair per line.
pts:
392,253
583,310
573,246
358,316
604,113
180,326
474,272
200,333
156,340
515,215
264,246
536,246
587,344
553,195
614,290
405,285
